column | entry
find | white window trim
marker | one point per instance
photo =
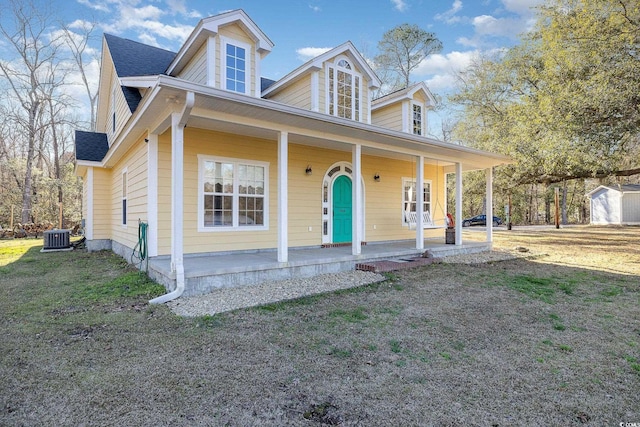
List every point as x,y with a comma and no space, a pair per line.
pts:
425,182
422,110
201,228
354,74
224,41
124,197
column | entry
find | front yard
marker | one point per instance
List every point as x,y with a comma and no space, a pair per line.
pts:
553,339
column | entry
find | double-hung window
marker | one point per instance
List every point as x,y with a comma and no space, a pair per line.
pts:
233,194
343,90
236,60
409,197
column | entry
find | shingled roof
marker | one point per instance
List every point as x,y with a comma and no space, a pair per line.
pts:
132,58
91,146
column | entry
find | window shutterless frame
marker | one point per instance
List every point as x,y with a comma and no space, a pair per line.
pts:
233,194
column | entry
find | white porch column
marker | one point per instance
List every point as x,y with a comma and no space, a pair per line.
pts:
420,202
458,204
88,221
178,123
489,196
152,194
356,197
283,197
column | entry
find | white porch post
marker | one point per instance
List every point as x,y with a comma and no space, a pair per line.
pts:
356,194
458,204
178,123
489,196
283,197
152,194
88,221
420,202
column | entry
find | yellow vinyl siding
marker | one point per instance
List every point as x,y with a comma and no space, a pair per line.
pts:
122,111
305,192
298,94
164,193
196,69
228,146
389,117
383,200
322,89
101,203
383,204
364,101
135,162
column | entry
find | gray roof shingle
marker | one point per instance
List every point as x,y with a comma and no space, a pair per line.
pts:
91,146
132,58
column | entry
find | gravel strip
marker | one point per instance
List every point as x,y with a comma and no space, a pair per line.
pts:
227,299
491,256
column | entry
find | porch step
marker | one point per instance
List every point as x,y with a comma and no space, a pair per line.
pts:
387,265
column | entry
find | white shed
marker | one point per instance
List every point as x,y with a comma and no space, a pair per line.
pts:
615,204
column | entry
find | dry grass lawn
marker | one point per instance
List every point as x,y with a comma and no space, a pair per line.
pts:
553,339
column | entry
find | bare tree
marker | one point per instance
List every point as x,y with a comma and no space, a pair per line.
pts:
403,48
78,43
28,77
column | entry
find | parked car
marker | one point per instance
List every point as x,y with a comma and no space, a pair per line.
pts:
480,220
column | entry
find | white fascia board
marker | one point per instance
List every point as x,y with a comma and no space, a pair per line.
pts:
405,94
598,188
139,82
211,26
316,64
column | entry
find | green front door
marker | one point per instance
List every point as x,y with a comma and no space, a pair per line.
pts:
342,209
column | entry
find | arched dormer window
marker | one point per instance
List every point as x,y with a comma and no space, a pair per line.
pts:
343,90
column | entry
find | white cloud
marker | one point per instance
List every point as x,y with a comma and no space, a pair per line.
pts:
307,53
101,6
439,71
315,8
147,22
399,5
487,25
179,7
450,15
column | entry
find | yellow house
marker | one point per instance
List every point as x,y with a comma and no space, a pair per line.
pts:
224,165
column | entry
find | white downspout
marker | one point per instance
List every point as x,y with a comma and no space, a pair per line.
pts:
178,123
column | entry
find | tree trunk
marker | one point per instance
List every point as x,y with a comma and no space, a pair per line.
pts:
564,203
28,176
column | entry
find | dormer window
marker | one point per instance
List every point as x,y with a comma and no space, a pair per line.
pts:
344,90
236,60
417,119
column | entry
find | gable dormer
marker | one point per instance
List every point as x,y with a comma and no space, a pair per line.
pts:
338,82
404,110
224,51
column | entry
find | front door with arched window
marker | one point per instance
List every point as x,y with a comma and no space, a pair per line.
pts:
337,204
342,210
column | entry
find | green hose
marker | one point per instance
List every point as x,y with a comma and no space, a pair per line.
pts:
139,253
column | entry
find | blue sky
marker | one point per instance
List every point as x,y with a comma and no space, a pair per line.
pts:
301,29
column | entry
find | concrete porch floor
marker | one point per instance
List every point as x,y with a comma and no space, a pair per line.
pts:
204,273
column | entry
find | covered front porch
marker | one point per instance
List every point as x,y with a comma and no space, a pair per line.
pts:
205,272
307,153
